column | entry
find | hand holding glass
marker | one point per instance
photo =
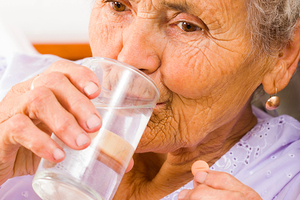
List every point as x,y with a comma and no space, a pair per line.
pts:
125,104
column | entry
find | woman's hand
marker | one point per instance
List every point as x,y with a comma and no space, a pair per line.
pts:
218,185
58,103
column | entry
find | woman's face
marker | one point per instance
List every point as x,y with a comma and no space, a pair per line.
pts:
197,53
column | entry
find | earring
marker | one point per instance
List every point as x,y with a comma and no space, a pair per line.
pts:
273,102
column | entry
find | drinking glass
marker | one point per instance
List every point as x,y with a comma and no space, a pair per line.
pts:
125,103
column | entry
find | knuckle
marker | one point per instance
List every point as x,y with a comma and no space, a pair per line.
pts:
82,74
250,194
63,126
237,195
59,64
61,129
84,71
77,104
18,123
17,88
53,78
39,97
225,177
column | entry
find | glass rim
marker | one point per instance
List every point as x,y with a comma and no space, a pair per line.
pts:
120,63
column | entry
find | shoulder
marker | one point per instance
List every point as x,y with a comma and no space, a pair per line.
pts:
268,153
283,129
269,139
19,67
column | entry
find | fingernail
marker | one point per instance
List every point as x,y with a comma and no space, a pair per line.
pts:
93,122
200,176
58,154
182,194
81,139
91,88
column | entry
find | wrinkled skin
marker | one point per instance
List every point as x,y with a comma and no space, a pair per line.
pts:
202,76
57,104
199,73
197,52
206,75
217,185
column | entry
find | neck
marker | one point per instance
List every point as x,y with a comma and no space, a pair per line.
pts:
164,173
178,164
216,143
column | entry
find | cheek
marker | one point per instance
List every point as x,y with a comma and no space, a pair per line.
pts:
196,72
183,83
105,37
191,74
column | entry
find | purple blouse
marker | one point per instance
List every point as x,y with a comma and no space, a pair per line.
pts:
267,158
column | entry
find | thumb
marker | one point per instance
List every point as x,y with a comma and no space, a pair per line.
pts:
214,179
199,170
200,178
220,180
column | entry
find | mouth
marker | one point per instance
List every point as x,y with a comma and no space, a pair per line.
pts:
161,103
160,106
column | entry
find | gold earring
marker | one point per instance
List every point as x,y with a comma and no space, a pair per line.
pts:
273,102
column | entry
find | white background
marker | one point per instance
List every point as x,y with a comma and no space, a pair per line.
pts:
48,21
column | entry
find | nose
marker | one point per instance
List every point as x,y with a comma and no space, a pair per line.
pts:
141,46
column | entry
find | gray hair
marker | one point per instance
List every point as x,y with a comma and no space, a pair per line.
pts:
272,23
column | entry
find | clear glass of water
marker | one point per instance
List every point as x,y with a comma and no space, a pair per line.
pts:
125,104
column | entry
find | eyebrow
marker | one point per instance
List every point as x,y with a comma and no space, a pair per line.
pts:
183,7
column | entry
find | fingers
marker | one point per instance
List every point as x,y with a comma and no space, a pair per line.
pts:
222,181
71,99
216,185
18,131
199,178
203,192
81,77
215,179
61,101
41,104
70,84
199,170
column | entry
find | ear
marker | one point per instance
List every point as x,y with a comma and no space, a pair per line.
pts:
285,66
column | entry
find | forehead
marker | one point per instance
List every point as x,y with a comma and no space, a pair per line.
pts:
219,11
191,5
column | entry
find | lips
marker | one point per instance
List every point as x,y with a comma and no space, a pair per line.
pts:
161,103
160,106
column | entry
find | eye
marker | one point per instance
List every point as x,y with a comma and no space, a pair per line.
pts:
117,6
188,27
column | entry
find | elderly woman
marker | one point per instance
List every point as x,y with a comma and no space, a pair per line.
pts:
207,58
